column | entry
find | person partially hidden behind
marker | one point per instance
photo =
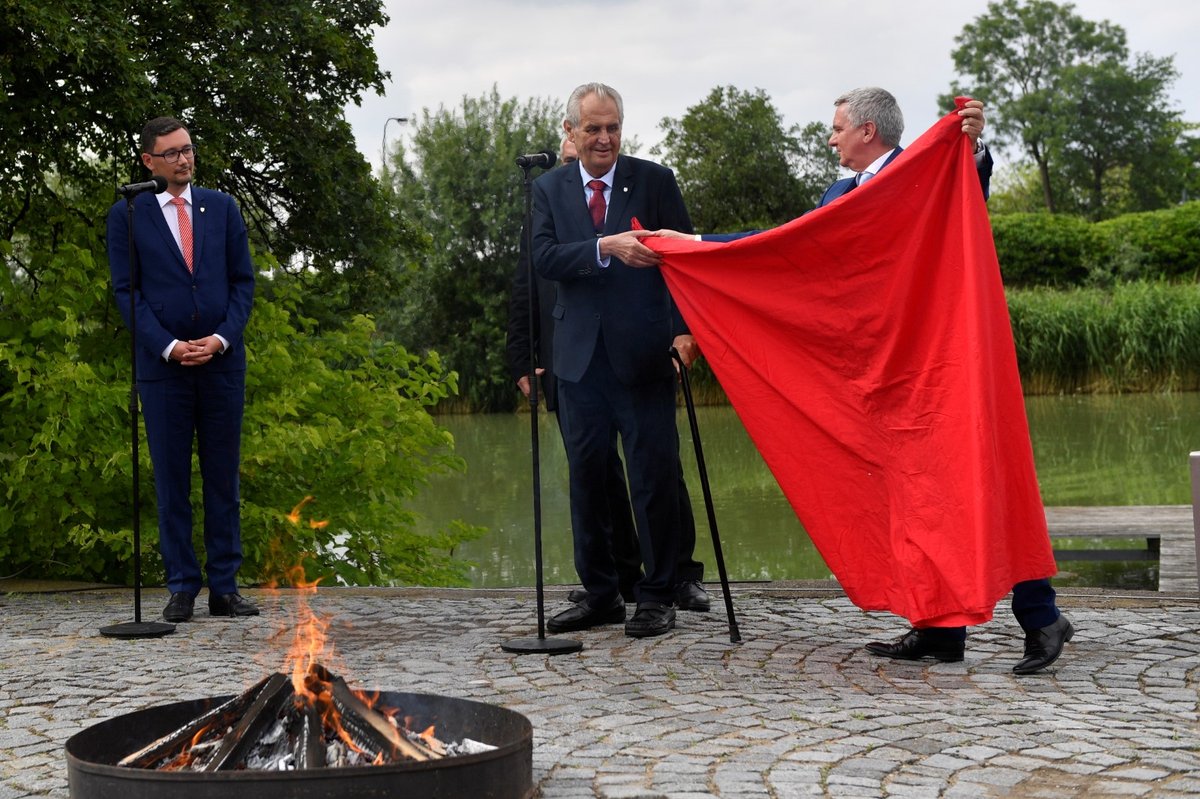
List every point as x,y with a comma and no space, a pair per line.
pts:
689,593
194,293
867,125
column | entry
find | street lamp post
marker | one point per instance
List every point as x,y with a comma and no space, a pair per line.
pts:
383,153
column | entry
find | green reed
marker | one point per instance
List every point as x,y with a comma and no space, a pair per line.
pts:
1138,336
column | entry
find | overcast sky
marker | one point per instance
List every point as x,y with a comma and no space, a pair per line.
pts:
666,56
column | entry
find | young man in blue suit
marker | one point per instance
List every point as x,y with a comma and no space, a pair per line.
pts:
867,125
614,326
193,296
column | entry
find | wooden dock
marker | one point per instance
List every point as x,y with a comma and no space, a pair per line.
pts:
1168,531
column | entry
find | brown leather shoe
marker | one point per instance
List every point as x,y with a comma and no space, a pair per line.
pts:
916,644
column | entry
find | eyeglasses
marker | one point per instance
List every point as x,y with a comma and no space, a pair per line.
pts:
171,156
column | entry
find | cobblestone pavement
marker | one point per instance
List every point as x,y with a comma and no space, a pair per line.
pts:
797,709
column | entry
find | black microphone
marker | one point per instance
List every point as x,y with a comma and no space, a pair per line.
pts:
157,185
545,159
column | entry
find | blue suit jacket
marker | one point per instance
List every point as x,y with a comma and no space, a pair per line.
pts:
843,186
630,307
171,303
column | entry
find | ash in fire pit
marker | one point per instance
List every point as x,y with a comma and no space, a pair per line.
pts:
277,726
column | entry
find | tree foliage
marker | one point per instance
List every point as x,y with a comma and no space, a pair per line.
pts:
818,166
262,87
1061,92
337,415
735,161
460,184
333,411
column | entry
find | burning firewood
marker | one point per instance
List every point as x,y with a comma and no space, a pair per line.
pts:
190,735
366,728
238,742
276,725
309,735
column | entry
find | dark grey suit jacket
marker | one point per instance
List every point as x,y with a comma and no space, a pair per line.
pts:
630,307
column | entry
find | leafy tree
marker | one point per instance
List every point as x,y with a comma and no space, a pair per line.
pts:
332,411
262,87
818,163
461,186
1016,190
1062,94
1118,130
338,415
735,161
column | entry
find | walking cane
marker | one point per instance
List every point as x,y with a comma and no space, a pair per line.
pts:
734,635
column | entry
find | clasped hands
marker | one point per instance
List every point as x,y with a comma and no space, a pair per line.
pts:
197,351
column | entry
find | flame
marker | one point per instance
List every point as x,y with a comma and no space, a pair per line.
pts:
294,516
310,648
309,638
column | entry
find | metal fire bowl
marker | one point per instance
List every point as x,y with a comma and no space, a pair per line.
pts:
504,773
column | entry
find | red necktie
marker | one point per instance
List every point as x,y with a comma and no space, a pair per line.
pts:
596,204
185,230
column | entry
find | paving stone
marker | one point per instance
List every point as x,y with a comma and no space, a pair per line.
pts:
797,710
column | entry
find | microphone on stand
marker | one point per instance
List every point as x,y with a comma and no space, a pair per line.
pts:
545,159
158,185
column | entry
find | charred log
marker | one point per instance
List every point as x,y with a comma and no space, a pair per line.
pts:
262,713
209,725
309,736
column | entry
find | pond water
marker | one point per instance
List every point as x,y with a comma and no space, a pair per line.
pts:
1089,450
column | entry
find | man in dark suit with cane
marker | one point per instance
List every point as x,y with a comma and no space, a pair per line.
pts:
689,593
613,328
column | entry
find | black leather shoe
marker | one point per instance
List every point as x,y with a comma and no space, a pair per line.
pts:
1043,646
916,644
690,595
230,605
179,607
650,618
583,616
577,595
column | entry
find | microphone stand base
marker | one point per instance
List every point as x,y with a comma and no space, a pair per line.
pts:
138,629
542,646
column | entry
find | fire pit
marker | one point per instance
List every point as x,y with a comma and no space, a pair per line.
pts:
505,772
306,735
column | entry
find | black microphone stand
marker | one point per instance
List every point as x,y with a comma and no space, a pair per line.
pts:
541,644
136,628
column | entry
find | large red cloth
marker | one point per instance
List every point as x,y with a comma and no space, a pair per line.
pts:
867,348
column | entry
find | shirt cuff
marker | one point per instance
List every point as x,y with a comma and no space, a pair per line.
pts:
601,262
